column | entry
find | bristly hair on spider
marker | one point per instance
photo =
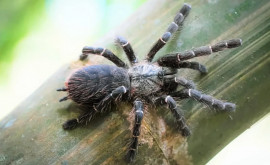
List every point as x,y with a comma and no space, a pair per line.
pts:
98,87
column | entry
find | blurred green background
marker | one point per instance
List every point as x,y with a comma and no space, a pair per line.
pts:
37,37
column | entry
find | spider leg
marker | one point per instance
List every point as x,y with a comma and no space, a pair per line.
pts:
175,59
173,27
128,49
138,107
193,65
179,81
85,117
203,98
106,103
103,52
177,113
101,107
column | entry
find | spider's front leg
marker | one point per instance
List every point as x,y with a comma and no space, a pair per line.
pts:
173,27
203,98
193,65
171,79
102,106
191,92
128,49
177,60
177,113
138,107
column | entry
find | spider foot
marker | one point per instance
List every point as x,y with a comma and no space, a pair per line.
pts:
229,107
83,56
130,156
202,69
70,124
185,132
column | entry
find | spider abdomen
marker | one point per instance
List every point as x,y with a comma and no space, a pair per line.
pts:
91,84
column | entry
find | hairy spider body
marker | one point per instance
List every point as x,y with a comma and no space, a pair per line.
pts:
91,84
98,87
145,79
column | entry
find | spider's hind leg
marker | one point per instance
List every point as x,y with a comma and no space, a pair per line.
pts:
84,118
101,107
102,52
107,101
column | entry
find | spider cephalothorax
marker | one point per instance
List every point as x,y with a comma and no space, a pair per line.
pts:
98,87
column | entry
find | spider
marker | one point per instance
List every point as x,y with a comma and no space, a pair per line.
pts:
98,87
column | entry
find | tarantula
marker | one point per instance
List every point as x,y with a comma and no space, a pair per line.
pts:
98,87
